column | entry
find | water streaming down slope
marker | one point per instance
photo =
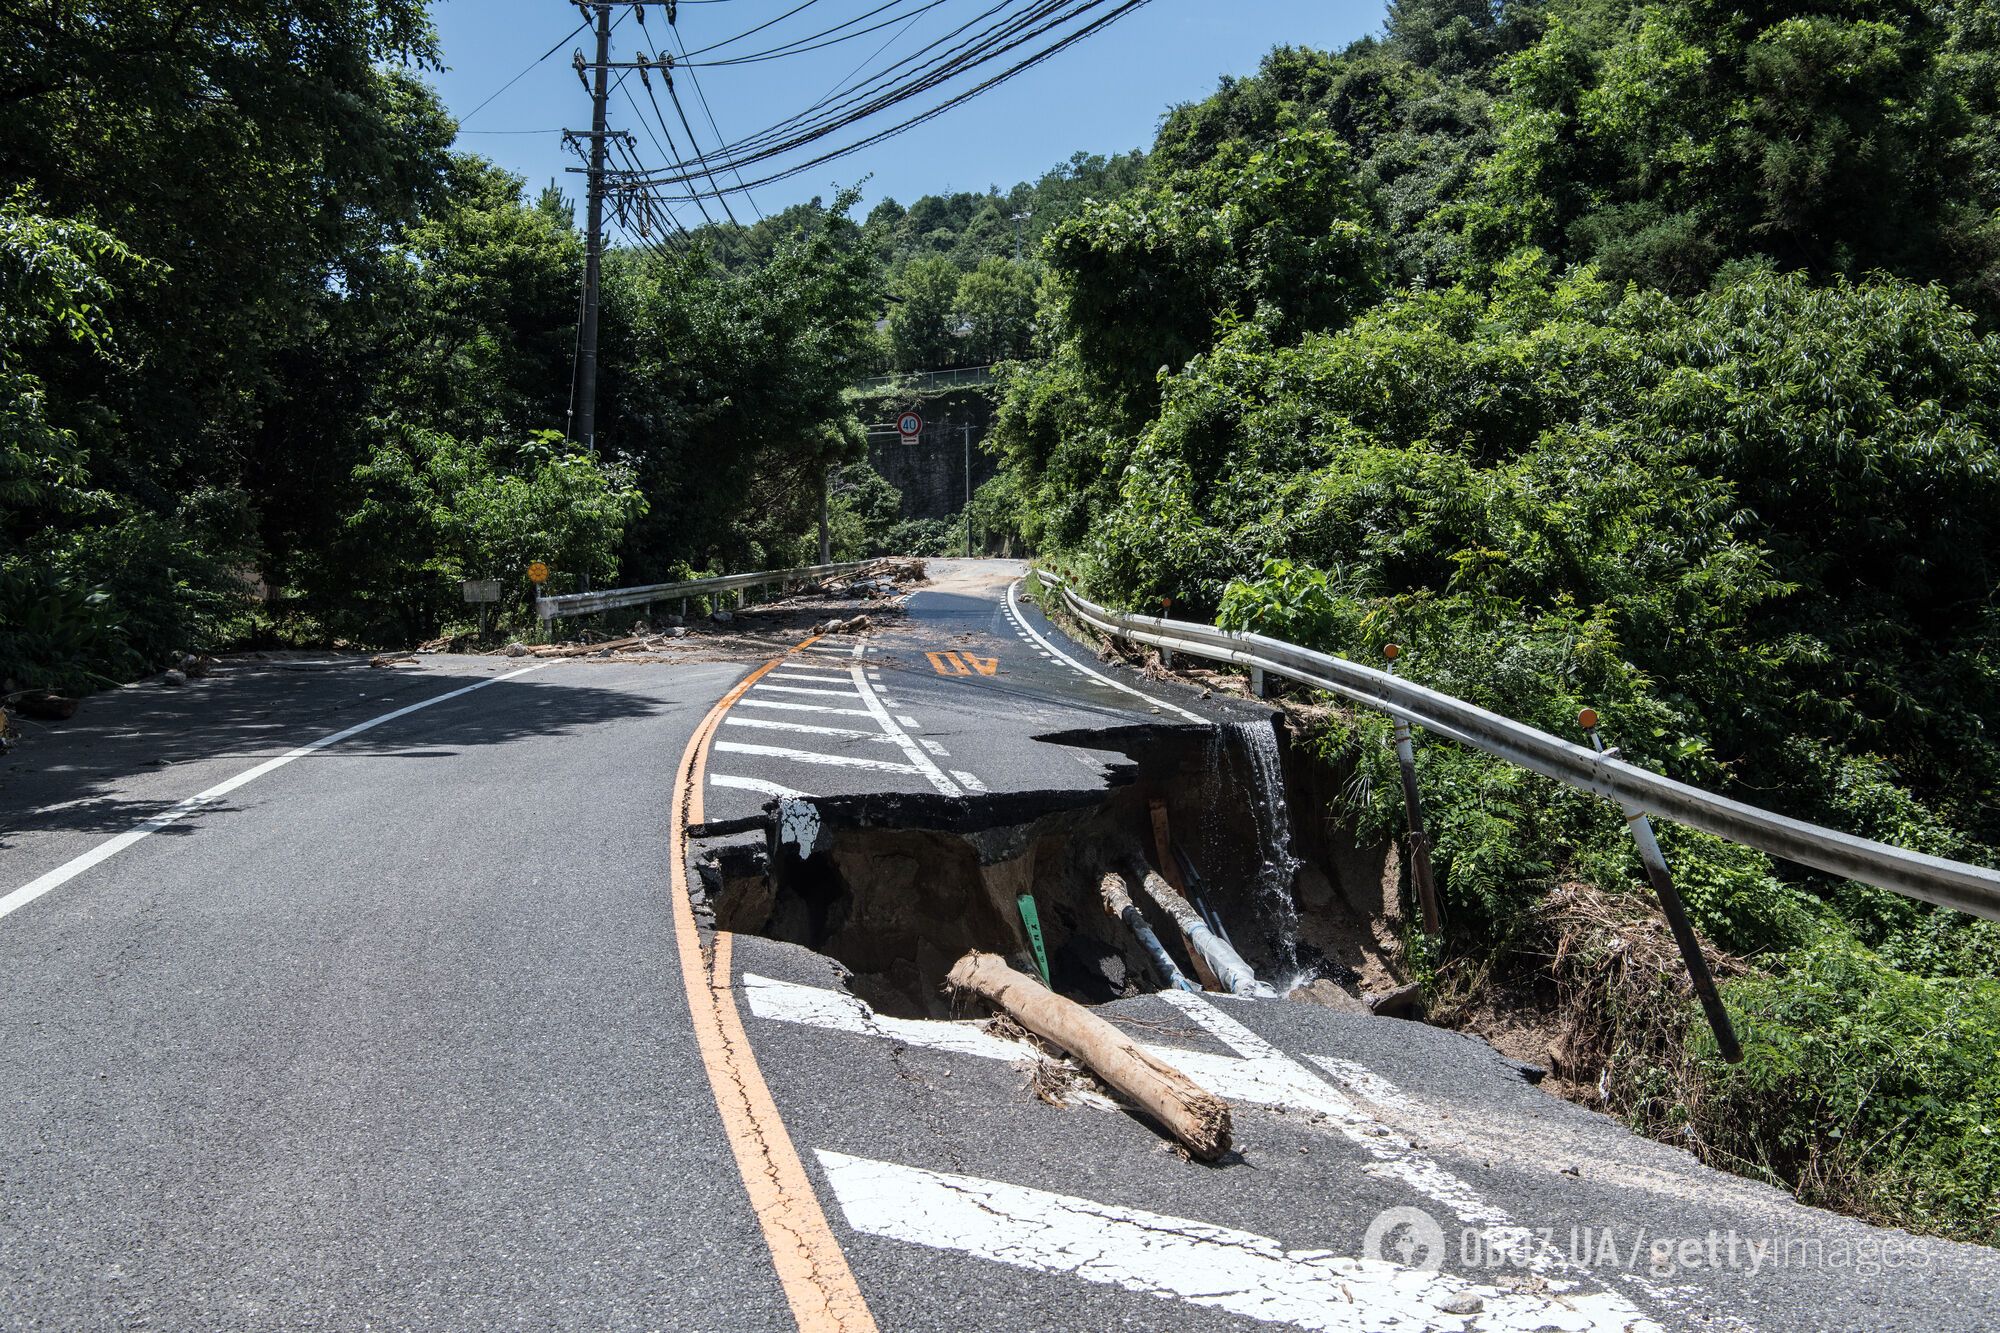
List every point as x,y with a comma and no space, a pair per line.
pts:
1248,752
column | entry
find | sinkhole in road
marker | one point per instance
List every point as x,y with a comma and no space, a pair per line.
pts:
898,886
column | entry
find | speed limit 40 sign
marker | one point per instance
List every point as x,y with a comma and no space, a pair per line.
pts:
909,426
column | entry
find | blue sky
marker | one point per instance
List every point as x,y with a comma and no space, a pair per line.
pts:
1105,95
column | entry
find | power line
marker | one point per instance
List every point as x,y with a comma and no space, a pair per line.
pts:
767,23
1007,35
1036,29
811,42
669,150
524,73
680,43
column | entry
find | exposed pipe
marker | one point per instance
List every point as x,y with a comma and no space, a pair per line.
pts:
1235,975
1118,903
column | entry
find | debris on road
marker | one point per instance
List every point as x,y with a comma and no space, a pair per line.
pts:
1198,1119
43,706
393,660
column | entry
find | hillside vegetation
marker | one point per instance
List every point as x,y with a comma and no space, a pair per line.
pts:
1615,353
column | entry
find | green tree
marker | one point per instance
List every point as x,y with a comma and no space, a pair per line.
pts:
727,391
995,306
922,322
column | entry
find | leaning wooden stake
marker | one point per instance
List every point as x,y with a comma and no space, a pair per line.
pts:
1200,1120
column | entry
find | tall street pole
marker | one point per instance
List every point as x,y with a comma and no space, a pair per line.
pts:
967,429
593,253
825,534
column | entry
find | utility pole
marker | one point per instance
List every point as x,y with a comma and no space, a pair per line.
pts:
593,252
825,536
967,429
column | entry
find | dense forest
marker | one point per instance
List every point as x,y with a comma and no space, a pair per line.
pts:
1630,353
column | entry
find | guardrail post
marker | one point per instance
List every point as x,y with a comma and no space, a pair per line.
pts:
1421,877
1662,881
1259,687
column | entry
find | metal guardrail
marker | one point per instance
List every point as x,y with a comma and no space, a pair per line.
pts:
922,381
613,599
1932,879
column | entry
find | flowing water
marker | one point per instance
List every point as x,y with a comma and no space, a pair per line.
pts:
1244,755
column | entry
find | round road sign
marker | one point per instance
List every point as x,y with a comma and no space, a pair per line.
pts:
538,572
909,426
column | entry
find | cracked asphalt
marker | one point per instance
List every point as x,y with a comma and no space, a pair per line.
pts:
395,1037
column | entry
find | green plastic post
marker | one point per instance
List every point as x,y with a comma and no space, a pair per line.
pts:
1033,921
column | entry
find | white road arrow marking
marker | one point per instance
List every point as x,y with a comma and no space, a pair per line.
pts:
1218,1267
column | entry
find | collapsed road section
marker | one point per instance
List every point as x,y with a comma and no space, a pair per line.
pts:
1178,872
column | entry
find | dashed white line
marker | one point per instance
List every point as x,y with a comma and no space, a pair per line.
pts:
934,747
873,703
1014,610
971,783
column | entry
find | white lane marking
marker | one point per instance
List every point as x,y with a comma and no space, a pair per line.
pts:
747,701
1261,1075
840,1011
909,722
772,724
1014,610
815,757
934,747
812,672
801,689
751,784
1159,1255
1397,1156
915,752
971,783
104,851
1365,1082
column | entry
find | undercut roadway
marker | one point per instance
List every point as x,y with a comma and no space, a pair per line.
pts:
416,1029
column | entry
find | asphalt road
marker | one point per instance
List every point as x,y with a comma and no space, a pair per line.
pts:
413,1030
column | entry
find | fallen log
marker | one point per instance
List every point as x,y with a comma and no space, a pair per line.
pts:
1198,1119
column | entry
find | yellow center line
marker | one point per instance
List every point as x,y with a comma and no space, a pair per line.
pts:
814,1273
